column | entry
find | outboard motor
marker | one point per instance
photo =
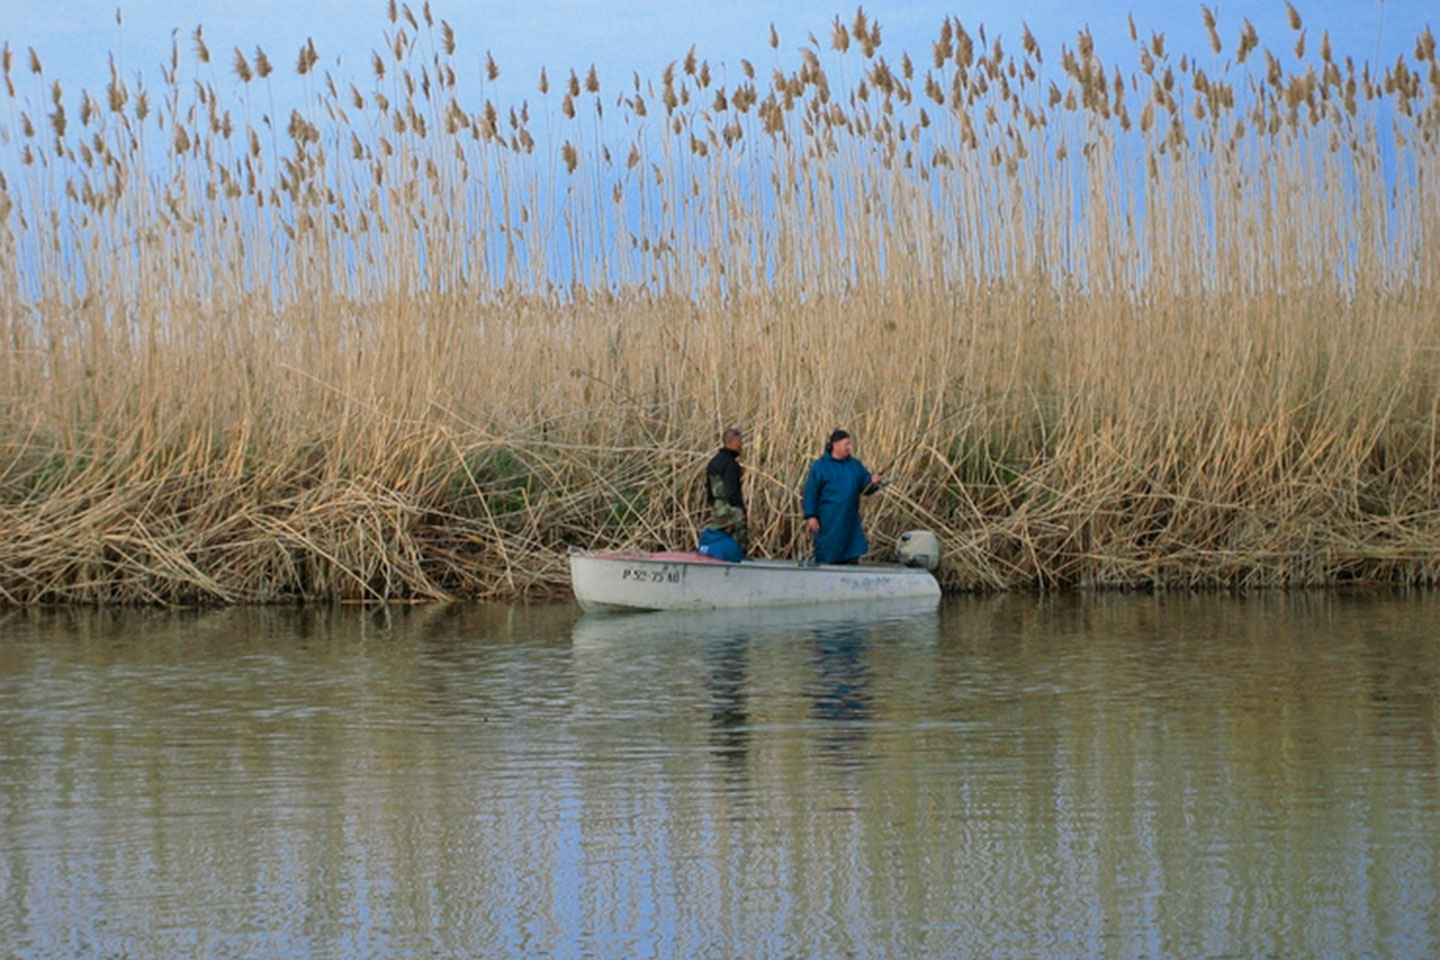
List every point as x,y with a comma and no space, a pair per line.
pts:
918,548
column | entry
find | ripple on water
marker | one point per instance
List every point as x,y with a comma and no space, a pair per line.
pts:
1107,776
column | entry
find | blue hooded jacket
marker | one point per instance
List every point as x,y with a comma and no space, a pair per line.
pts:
832,494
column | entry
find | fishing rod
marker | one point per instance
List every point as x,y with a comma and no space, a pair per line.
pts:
883,475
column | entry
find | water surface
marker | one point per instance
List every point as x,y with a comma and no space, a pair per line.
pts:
1113,776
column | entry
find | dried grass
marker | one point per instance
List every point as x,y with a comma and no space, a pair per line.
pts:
1178,327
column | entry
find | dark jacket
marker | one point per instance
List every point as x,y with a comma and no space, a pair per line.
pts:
726,466
832,494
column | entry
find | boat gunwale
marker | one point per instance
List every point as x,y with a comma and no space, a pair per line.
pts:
752,563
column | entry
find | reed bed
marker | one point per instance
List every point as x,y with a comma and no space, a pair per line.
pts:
1171,323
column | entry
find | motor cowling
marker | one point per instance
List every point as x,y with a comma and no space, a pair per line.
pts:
918,548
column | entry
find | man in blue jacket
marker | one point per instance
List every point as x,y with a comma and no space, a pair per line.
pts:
833,490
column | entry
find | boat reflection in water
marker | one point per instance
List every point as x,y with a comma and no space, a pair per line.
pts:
916,615
788,679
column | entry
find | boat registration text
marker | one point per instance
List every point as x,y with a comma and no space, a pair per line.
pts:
648,574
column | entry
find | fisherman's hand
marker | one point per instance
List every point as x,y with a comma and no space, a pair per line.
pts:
878,480
813,523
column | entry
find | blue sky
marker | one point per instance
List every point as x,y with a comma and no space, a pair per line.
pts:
75,37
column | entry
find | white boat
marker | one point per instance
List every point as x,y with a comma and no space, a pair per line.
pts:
692,581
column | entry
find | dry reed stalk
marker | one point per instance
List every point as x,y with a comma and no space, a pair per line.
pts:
1160,329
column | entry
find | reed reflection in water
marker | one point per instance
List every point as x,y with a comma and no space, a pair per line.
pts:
1114,776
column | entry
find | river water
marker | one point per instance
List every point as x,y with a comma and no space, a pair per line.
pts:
1116,776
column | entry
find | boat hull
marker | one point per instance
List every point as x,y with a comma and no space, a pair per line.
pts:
692,582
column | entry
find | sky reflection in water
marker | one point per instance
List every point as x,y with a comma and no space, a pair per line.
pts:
1114,776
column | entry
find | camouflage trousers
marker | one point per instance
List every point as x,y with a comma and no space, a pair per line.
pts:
726,516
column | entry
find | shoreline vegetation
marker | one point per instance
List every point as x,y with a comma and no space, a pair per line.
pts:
1171,323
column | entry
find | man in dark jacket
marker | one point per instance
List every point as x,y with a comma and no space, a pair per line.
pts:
833,490
722,490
